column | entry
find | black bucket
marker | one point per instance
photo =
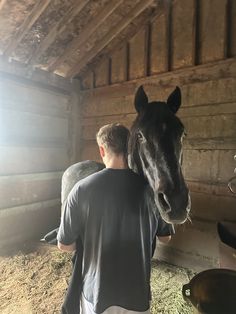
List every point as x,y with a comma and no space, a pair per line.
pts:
212,291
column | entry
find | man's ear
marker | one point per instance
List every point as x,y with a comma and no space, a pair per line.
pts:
102,151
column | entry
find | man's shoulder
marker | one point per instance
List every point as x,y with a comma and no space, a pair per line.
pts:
90,179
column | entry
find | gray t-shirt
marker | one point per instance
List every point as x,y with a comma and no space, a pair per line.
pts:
109,213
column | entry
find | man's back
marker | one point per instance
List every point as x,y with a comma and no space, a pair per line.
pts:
116,229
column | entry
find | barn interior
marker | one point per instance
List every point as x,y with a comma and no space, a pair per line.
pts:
69,67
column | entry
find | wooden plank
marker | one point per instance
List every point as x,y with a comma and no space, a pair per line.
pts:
217,126
159,45
197,94
204,110
232,29
208,165
30,188
74,9
211,92
37,10
89,132
27,222
101,120
74,137
202,73
226,165
137,60
89,151
212,30
183,38
109,106
101,73
118,66
28,126
141,6
207,206
19,95
87,80
194,246
20,160
77,42
208,188
144,21
219,143
15,71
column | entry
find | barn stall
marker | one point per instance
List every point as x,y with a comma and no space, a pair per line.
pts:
69,67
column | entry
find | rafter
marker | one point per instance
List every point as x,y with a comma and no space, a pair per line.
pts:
37,10
88,30
146,20
73,10
141,6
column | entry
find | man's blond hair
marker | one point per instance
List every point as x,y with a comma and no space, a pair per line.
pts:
114,137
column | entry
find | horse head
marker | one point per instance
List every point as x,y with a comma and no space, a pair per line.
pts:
155,151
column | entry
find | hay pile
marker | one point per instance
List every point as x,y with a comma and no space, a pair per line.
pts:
35,283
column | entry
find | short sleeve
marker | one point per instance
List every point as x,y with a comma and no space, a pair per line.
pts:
69,227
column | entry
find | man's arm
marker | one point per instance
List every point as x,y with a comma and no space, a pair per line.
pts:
164,239
66,248
69,227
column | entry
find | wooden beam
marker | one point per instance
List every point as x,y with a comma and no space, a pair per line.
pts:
85,34
17,71
141,6
37,10
73,10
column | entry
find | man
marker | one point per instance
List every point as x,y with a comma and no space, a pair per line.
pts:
108,214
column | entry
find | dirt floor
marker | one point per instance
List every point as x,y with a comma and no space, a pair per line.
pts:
35,281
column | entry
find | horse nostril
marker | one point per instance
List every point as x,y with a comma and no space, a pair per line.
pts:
163,202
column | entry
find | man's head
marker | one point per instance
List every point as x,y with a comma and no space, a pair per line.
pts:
112,140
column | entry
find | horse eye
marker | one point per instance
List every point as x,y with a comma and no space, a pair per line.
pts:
140,136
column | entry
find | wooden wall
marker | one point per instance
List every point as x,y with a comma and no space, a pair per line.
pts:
36,134
191,44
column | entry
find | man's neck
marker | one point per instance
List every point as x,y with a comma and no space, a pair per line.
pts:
116,162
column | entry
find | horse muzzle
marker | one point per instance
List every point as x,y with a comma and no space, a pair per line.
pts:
174,206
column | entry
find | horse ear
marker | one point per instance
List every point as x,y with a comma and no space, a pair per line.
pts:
174,100
141,99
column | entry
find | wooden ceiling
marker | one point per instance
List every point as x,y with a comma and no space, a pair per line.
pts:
65,37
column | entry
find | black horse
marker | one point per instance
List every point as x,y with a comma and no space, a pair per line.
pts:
155,152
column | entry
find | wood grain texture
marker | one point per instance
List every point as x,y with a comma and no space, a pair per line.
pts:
57,29
28,75
118,66
102,74
183,34
29,188
141,6
84,35
24,223
87,80
22,159
137,66
159,45
212,33
37,10
232,28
